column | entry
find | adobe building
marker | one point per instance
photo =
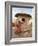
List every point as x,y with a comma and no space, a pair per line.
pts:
26,20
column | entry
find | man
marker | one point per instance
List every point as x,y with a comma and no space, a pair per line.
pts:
18,27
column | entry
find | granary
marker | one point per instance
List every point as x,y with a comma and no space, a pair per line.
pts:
26,19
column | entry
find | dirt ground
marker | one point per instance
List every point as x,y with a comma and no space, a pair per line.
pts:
23,34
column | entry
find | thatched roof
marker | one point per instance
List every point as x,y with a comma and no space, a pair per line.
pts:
22,14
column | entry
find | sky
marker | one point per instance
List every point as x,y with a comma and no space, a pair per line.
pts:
21,10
